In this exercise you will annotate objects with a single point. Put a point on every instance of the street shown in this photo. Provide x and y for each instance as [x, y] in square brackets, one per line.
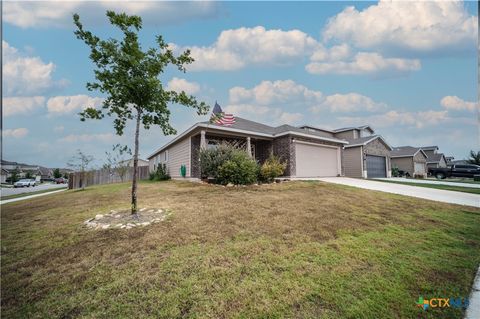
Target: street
[14, 191]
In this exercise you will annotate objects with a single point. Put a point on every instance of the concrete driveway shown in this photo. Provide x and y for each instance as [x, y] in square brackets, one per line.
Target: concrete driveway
[438, 195]
[426, 181]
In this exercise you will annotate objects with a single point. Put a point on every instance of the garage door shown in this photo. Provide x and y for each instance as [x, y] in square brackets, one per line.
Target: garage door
[315, 161]
[376, 166]
[419, 168]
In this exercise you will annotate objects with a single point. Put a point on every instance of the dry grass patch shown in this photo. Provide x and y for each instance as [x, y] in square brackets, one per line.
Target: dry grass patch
[298, 249]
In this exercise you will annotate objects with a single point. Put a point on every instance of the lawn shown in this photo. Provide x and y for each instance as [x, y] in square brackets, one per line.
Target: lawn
[471, 190]
[296, 250]
[30, 193]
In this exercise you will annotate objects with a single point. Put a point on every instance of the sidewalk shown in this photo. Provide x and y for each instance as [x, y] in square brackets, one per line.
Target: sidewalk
[28, 197]
[423, 181]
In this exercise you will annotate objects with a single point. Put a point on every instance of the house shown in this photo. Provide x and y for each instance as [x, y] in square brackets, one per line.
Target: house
[449, 160]
[411, 160]
[129, 162]
[307, 153]
[40, 173]
[5, 173]
[366, 155]
[434, 159]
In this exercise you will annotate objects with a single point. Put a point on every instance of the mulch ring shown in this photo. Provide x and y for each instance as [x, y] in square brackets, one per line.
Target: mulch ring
[126, 220]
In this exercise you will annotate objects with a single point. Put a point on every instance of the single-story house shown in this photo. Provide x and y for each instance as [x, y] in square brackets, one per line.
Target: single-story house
[411, 160]
[434, 159]
[307, 153]
[5, 173]
[366, 155]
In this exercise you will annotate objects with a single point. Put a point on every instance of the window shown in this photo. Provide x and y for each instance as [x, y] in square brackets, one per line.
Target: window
[165, 156]
[212, 144]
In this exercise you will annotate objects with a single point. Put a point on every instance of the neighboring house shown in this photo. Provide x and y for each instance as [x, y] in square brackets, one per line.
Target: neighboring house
[449, 160]
[129, 162]
[306, 153]
[40, 173]
[366, 155]
[4, 175]
[411, 160]
[434, 159]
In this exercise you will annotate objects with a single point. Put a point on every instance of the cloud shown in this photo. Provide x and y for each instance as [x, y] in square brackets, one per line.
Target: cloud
[59, 129]
[415, 26]
[22, 105]
[68, 104]
[76, 138]
[350, 102]
[454, 103]
[24, 75]
[291, 95]
[394, 118]
[33, 14]
[365, 63]
[179, 85]
[236, 48]
[15, 133]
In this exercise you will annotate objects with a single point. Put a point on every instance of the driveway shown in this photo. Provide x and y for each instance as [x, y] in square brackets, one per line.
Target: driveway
[438, 195]
[426, 181]
[14, 191]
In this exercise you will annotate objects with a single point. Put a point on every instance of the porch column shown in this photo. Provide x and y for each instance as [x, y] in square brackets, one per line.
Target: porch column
[249, 147]
[203, 141]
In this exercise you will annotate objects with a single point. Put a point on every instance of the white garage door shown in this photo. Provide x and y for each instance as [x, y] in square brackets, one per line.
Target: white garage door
[315, 161]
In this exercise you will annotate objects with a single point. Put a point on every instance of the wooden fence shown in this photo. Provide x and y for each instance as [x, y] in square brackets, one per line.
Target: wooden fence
[103, 176]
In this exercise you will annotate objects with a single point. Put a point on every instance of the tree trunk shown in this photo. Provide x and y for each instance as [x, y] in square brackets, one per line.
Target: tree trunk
[135, 165]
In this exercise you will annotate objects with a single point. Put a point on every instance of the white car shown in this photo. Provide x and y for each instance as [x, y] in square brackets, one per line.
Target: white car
[24, 183]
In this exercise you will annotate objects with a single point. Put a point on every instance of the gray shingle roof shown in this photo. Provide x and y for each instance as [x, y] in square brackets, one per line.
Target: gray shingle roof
[432, 147]
[404, 151]
[361, 140]
[247, 125]
[435, 158]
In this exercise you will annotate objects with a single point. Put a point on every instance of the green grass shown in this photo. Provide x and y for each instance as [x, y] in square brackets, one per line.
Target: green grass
[290, 250]
[437, 186]
[455, 180]
[30, 193]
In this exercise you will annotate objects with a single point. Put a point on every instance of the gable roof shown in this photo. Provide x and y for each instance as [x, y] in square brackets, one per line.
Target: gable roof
[429, 148]
[305, 126]
[245, 126]
[365, 140]
[343, 129]
[436, 158]
[406, 151]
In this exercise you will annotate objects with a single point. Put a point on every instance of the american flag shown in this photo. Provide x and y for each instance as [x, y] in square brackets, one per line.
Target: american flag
[220, 117]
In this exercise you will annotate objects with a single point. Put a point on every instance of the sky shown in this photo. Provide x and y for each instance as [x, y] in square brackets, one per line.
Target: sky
[408, 69]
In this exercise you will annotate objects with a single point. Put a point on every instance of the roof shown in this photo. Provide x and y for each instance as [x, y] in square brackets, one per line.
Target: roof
[429, 148]
[365, 140]
[305, 126]
[435, 158]
[406, 151]
[343, 129]
[245, 126]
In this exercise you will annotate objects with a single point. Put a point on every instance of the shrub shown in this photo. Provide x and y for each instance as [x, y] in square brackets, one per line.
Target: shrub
[212, 159]
[272, 168]
[395, 172]
[240, 169]
[160, 174]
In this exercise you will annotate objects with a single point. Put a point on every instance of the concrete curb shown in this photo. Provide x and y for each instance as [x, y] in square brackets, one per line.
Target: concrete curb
[473, 310]
[29, 196]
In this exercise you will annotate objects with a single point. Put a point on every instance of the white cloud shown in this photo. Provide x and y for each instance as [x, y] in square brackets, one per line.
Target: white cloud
[365, 63]
[394, 118]
[236, 48]
[68, 104]
[22, 105]
[417, 26]
[15, 133]
[350, 102]
[24, 75]
[59, 129]
[30, 14]
[291, 95]
[179, 85]
[75, 138]
[454, 103]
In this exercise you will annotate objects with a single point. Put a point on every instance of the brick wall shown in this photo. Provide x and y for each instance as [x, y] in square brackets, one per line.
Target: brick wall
[195, 156]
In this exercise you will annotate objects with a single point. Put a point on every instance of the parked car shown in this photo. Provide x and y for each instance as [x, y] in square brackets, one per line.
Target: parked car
[467, 170]
[25, 183]
[61, 180]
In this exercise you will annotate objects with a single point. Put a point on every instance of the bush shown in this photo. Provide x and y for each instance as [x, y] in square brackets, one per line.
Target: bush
[395, 172]
[160, 174]
[240, 169]
[271, 169]
[212, 159]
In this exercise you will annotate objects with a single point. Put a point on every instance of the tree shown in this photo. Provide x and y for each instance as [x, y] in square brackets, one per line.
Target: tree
[80, 163]
[117, 162]
[474, 158]
[65, 175]
[56, 173]
[28, 175]
[129, 77]
[14, 176]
